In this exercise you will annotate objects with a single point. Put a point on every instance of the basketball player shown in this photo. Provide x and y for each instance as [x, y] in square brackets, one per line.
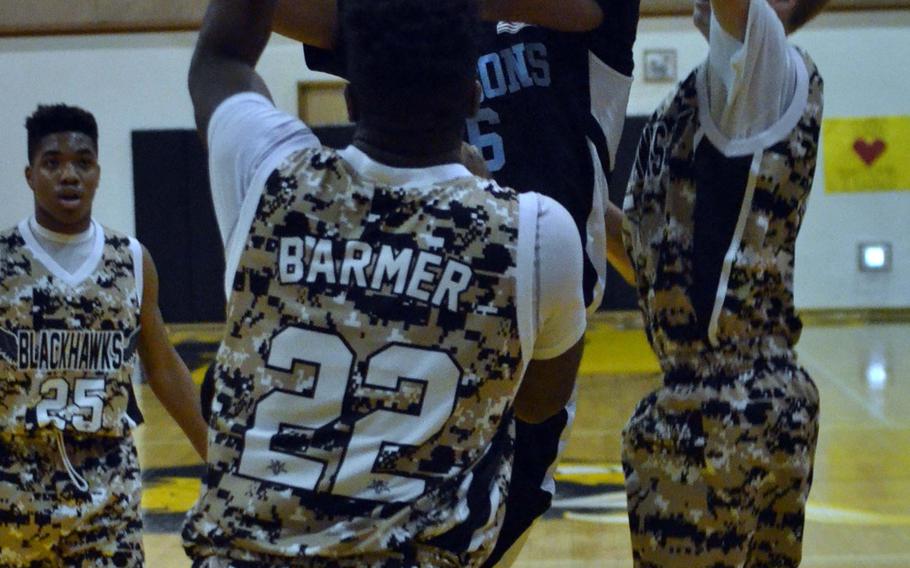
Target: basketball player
[77, 300]
[718, 461]
[383, 305]
[553, 106]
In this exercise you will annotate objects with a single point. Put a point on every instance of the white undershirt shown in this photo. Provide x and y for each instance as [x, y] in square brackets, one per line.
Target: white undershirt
[71, 252]
[751, 83]
[248, 138]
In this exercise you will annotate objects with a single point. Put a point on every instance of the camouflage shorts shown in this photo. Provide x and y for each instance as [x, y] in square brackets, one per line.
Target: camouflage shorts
[718, 471]
[47, 521]
[422, 557]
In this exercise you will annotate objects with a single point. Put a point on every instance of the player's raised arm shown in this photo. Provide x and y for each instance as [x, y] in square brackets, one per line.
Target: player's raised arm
[168, 376]
[233, 36]
[560, 15]
[732, 15]
[316, 23]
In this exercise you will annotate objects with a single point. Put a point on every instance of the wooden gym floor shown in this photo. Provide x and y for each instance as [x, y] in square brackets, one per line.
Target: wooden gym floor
[859, 511]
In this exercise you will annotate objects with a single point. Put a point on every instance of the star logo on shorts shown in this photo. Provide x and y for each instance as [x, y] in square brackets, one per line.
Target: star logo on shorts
[277, 467]
[379, 487]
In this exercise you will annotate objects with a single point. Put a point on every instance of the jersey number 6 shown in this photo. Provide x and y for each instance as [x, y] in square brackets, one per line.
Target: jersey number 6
[282, 411]
[490, 144]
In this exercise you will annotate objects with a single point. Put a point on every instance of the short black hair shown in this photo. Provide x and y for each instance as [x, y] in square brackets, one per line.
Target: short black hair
[51, 119]
[411, 58]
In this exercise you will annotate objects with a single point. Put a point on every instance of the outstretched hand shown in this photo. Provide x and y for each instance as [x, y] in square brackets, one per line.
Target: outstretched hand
[473, 160]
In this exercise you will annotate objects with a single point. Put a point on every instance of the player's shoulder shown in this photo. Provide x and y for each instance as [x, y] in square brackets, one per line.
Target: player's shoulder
[495, 189]
[554, 223]
[804, 58]
[120, 244]
[482, 196]
[114, 237]
[9, 233]
[311, 161]
[10, 240]
[679, 103]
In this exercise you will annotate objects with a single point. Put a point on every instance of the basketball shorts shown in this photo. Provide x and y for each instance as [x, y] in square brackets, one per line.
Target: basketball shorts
[718, 470]
[424, 558]
[48, 520]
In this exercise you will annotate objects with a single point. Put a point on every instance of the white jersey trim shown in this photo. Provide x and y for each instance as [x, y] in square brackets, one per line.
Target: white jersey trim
[732, 147]
[596, 230]
[609, 95]
[401, 177]
[72, 279]
[237, 241]
[527, 287]
[610, 92]
[733, 251]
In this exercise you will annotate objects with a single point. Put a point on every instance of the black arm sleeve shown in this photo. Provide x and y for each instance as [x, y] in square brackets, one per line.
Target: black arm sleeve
[612, 41]
[325, 60]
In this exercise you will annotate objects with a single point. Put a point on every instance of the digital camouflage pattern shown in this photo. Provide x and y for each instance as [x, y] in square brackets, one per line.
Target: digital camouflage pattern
[364, 315]
[659, 209]
[718, 470]
[67, 352]
[718, 461]
[47, 522]
[57, 341]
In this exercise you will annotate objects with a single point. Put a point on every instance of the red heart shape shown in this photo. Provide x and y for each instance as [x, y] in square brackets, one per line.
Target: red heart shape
[869, 153]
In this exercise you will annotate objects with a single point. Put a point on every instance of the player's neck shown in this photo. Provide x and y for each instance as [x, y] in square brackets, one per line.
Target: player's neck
[46, 236]
[48, 223]
[421, 149]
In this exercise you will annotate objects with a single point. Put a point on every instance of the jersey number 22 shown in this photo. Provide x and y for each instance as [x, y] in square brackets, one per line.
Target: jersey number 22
[354, 476]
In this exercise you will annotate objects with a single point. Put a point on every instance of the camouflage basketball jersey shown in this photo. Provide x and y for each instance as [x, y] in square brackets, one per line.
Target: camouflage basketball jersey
[364, 385]
[704, 313]
[67, 341]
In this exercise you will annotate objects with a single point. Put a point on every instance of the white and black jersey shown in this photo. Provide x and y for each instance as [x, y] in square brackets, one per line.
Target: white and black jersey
[379, 322]
[68, 338]
[552, 114]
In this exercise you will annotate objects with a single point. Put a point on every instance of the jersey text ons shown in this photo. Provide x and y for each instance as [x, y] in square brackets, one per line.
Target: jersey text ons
[59, 350]
[514, 68]
[413, 273]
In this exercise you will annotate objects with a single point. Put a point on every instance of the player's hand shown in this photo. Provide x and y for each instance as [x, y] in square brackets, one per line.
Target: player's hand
[702, 16]
[473, 160]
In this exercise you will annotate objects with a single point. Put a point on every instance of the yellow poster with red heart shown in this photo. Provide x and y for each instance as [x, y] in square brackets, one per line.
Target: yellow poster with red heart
[866, 154]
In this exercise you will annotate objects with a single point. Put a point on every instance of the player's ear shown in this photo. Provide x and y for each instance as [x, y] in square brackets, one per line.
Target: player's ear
[28, 177]
[478, 98]
[353, 113]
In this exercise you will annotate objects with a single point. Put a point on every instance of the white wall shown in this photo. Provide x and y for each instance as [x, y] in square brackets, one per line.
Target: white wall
[138, 82]
[129, 82]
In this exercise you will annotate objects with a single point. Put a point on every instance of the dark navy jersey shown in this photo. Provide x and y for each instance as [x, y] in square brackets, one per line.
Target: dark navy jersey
[552, 114]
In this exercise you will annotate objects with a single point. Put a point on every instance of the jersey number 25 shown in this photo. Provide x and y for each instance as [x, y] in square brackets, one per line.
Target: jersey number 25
[88, 396]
